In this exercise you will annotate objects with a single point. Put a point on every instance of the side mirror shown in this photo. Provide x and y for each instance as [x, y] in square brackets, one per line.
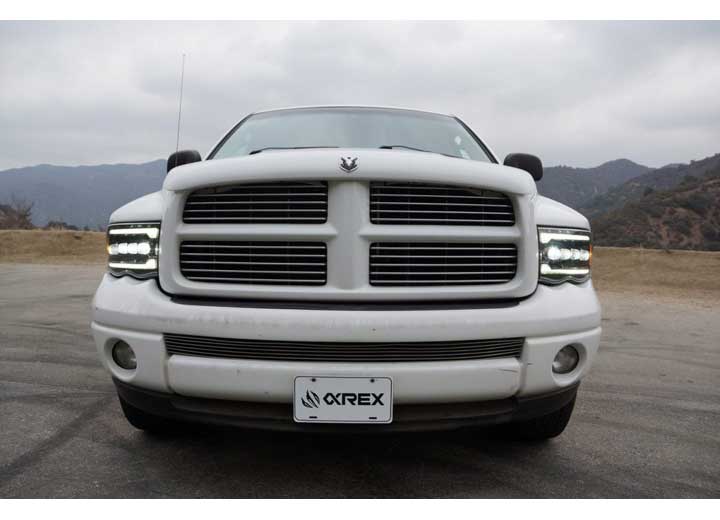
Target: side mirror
[525, 161]
[182, 157]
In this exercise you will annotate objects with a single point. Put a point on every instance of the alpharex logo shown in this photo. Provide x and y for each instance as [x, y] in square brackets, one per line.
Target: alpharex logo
[312, 400]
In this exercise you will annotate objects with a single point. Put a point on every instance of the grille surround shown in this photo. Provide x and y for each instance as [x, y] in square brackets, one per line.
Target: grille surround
[259, 203]
[348, 231]
[410, 264]
[303, 351]
[417, 204]
[254, 263]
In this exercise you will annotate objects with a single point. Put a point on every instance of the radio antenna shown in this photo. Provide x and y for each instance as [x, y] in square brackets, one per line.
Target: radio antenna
[182, 81]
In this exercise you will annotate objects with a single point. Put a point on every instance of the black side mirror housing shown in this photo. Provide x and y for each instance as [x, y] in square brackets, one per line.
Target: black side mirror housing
[182, 157]
[530, 163]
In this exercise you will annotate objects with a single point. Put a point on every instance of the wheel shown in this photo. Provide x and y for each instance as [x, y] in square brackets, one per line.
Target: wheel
[145, 421]
[540, 428]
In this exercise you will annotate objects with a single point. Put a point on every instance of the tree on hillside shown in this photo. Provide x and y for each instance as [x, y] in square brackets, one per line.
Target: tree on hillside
[60, 225]
[17, 214]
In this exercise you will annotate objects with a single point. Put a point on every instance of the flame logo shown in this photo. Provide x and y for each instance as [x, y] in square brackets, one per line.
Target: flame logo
[311, 400]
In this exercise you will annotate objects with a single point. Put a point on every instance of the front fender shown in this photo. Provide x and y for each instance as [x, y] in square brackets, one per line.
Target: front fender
[148, 208]
[552, 213]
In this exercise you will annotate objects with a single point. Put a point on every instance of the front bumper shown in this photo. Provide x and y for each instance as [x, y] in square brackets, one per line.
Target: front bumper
[278, 416]
[139, 313]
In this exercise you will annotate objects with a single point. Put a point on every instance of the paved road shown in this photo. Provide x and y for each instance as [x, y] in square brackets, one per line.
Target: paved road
[647, 422]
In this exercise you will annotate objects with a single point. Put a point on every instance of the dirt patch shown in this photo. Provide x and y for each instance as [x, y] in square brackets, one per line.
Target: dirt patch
[690, 276]
[52, 247]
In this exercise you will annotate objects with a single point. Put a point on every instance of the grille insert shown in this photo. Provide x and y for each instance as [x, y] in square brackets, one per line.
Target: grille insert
[434, 263]
[428, 204]
[271, 263]
[260, 203]
[185, 345]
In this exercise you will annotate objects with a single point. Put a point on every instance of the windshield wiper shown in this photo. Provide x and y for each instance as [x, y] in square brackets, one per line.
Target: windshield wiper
[391, 146]
[288, 148]
[405, 147]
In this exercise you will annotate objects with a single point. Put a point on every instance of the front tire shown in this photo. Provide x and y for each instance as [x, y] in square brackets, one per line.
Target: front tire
[540, 428]
[145, 421]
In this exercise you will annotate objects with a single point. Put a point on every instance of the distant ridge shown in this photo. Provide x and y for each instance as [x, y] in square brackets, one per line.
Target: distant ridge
[650, 214]
[664, 178]
[80, 195]
[576, 186]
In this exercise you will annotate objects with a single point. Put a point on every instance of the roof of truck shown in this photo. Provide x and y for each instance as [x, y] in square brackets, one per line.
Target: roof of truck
[352, 106]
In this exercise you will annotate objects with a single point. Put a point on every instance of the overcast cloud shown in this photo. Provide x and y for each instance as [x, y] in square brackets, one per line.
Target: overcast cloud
[572, 93]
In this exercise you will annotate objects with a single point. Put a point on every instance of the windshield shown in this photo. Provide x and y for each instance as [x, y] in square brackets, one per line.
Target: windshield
[351, 128]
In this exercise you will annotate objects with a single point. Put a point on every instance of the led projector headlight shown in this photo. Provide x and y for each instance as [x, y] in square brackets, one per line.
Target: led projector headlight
[134, 249]
[565, 255]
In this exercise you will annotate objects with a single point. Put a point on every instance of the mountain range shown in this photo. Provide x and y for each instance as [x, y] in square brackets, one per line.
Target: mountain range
[83, 196]
[676, 209]
[661, 179]
[577, 186]
[675, 206]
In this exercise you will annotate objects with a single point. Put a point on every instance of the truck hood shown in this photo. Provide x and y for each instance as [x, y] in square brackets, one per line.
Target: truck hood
[382, 165]
[549, 212]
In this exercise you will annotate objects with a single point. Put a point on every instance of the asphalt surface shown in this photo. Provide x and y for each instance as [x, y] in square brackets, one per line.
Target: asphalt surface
[647, 422]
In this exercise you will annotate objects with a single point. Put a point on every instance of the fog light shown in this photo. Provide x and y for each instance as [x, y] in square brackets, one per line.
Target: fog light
[566, 360]
[124, 356]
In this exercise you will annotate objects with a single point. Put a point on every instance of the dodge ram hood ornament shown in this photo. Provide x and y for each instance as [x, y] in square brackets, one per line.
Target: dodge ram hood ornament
[348, 164]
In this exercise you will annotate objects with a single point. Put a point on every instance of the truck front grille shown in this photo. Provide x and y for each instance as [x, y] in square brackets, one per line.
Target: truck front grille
[268, 263]
[430, 204]
[436, 263]
[264, 203]
[318, 351]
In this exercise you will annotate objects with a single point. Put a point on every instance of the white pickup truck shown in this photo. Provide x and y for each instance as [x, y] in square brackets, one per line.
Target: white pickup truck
[348, 268]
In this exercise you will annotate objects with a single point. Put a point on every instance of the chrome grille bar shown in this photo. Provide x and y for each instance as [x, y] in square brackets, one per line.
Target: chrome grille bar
[204, 346]
[276, 203]
[270, 263]
[427, 204]
[441, 264]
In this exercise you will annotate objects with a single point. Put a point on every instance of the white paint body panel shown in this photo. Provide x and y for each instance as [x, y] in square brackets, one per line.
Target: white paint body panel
[148, 208]
[549, 212]
[138, 312]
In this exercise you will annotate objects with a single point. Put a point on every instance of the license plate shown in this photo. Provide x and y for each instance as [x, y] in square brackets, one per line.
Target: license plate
[343, 399]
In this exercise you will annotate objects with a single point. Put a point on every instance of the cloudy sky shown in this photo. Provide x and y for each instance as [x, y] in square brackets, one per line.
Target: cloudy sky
[573, 93]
